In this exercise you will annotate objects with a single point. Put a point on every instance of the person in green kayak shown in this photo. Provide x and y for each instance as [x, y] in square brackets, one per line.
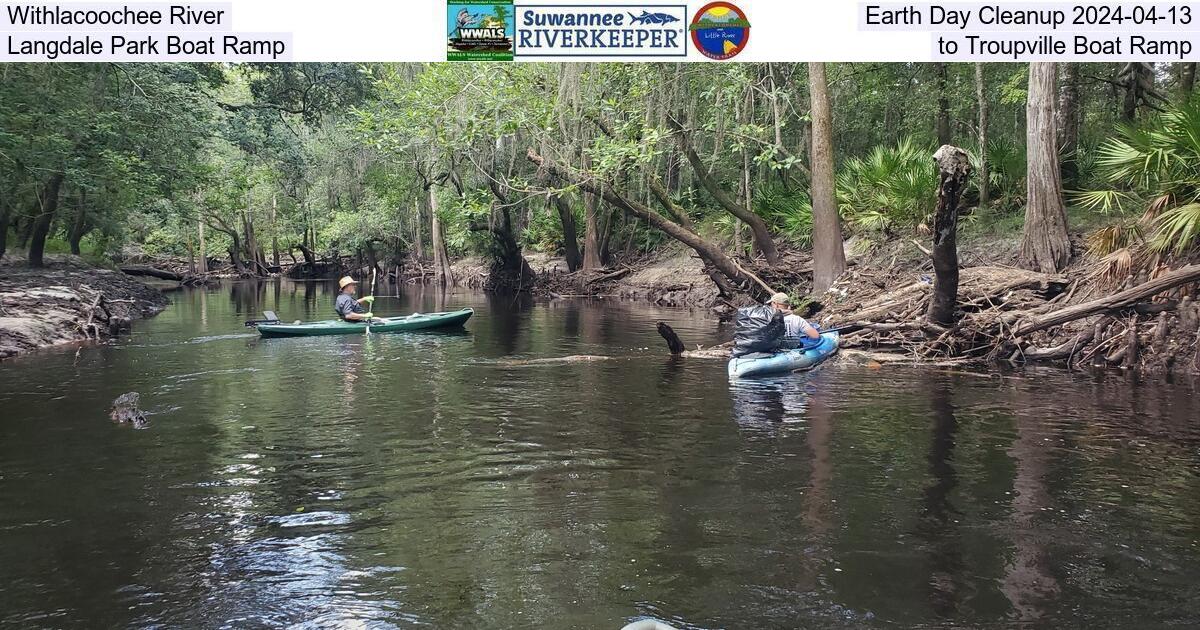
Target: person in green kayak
[797, 331]
[348, 308]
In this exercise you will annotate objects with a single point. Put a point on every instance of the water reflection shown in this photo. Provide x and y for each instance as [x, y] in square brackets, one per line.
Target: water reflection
[939, 523]
[1028, 583]
[452, 480]
[762, 402]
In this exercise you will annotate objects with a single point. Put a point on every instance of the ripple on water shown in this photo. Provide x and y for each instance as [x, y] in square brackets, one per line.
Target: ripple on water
[411, 480]
[311, 519]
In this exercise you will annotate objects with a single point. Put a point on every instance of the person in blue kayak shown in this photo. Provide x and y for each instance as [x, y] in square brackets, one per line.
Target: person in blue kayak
[348, 308]
[797, 332]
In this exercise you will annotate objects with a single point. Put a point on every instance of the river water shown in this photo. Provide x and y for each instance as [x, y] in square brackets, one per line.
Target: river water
[461, 481]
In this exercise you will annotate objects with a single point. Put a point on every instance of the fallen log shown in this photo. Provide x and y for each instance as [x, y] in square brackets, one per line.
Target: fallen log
[1065, 350]
[620, 273]
[1129, 298]
[153, 272]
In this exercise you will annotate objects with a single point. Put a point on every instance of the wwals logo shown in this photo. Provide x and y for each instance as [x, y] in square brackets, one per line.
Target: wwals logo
[479, 30]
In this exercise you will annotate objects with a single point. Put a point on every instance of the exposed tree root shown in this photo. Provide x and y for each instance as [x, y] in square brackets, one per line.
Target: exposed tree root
[1014, 316]
[1006, 315]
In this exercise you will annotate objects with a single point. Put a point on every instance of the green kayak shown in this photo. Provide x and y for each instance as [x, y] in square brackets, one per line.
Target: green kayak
[416, 321]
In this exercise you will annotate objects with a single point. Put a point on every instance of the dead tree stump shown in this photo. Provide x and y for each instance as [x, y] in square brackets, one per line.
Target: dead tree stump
[1131, 348]
[954, 168]
[674, 344]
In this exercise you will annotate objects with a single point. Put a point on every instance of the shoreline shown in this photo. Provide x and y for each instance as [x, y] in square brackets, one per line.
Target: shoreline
[1006, 317]
[884, 291]
[68, 301]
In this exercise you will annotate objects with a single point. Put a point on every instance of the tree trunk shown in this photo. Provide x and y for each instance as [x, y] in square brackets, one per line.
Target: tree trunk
[829, 257]
[762, 235]
[248, 240]
[24, 228]
[954, 167]
[1187, 81]
[776, 107]
[203, 249]
[372, 257]
[418, 224]
[235, 253]
[1045, 245]
[79, 227]
[943, 103]
[191, 250]
[608, 218]
[41, 224]
[274, 231]
[253, 251]
[677, 214]
[510, 264]
[4, 222]
[591, 233]
[1068, 124]
[570, 237]
[710, 253]
[984, 177]
[442, 276]
[310, 258]
[1138, 79]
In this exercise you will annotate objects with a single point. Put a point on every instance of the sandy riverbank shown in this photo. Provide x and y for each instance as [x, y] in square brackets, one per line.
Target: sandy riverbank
[67, 301]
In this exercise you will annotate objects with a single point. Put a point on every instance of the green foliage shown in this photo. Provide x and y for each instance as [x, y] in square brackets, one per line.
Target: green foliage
[788, 212]
[544, 233]
[1006, 173]
[893, 187]
[1177, 229]
[1014, 89]
[1155, 166]
[341, 157]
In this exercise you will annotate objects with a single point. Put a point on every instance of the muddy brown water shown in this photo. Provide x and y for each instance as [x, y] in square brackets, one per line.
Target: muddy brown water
[453, 481]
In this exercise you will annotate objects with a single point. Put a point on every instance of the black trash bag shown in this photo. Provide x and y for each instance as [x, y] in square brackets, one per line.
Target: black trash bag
[758, 329]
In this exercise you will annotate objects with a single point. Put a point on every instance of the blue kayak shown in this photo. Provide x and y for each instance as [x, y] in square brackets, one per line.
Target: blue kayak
[785, 361]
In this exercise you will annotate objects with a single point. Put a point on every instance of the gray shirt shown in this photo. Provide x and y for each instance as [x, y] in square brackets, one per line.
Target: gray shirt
[796, 326]
[346, 304]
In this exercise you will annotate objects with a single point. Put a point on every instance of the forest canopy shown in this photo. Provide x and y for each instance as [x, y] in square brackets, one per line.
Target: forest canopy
[260, 166]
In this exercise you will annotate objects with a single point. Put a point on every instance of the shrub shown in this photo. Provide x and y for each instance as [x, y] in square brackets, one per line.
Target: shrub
[892, 187]
[788, 212]
[1154, 166]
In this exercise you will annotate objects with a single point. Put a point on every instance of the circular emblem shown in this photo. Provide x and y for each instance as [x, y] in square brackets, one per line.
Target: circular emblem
[720, 30]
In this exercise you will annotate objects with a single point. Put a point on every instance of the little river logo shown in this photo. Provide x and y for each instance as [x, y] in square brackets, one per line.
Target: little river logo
[479, 30]
[623, 30]
[720, 30]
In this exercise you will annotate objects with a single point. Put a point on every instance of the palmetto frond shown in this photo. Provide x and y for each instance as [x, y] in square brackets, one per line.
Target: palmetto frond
[1177, 229]
[1160, 160]
[1103, 201]
[892, 185]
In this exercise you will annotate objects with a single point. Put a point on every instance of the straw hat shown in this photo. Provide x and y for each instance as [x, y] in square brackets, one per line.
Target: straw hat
[346, 280]
[781, 298]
